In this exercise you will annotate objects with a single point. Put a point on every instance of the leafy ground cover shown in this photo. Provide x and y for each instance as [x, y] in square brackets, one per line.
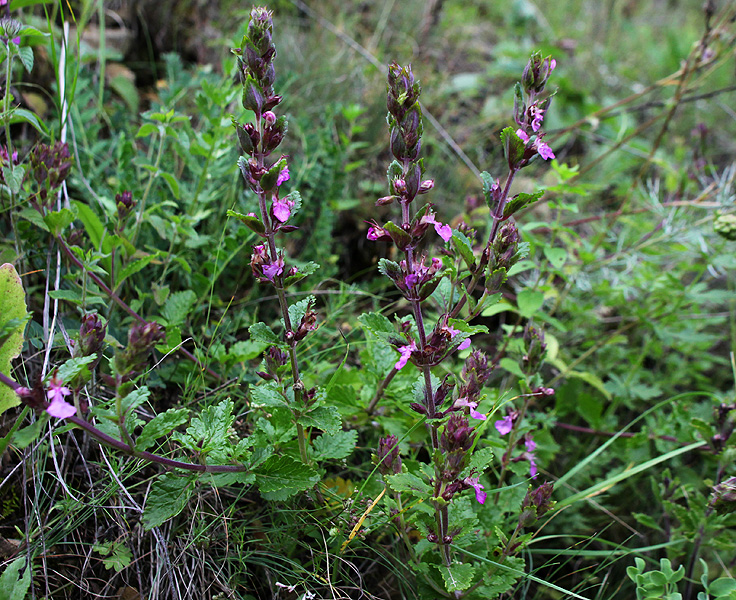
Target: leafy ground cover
[261, 339]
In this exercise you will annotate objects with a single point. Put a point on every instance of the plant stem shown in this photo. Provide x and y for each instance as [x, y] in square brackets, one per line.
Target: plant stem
[129, 448]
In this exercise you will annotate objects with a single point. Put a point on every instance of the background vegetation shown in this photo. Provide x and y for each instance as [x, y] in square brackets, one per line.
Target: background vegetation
[630, 270]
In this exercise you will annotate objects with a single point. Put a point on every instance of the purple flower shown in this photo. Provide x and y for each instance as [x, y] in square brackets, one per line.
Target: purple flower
[480, 495]
[59, 407]
[464, 344]
[282, 208]
[545, 151]
[444, 231]
[16, 40]
[411, 280]
[523, 135]
[531, 445]
[472, 406]
[283, 176]
[270, 119]
[505, 425]
[270, 271]
[537, 118]
[405, 352]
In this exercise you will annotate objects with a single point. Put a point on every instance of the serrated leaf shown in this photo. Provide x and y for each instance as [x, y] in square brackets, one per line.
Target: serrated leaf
[260, 332]
[74, 366]
[13, 175]
[481, 460]
[161, 425]
[335, 446]
[463, 247]
[299, 309]
[304, 271]
[252, 222]
[529, 302]
[266, 395]
[401, 238]
[520, 201]
[25, 53]
[168, 497]
[513, 146]
[378, 325]
[457, 577]
[12, 306]
[209, 431]
[282, 476]
[58, 220]
[389, 268]
[13, 587]
[326, 418]
[178, 306]
[407, 482]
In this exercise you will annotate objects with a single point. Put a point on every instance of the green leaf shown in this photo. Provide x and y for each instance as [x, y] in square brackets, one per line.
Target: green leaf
[58, 220]
[74, 366]
[326, 418]
[25, 53]
[723, 587]
[299, 309]
[253, 223]
[513, 146]
[13, 175]
[260, 332]
[13, 587]
[135, 266]
[463, 247]
[304, 271]
[520, 201]
[401, 238]
[555, 256]
[335, 446]
[481, 459]
[457, 577]
[267, 394]
[12, 308]
[147, 129]
[282, 476]
[377, 324]
[117, 555]
[178, 306]
[92, 224]
[168, 497]
[407, 482]
[209, 431]
[22, 115]
[173, 184]
[529, 302]
[161, 425]
[510, 365]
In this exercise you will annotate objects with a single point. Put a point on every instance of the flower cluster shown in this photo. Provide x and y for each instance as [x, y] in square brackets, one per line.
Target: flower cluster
[529, 109]
[50, 166]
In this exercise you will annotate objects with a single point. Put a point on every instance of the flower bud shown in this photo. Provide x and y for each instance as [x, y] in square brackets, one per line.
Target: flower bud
[389, 458]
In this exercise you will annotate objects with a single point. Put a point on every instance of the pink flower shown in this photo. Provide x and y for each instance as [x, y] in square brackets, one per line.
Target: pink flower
[411, 280]
[405, 352]
[505, 425]
[270, 118]
[523, 135]
[283, 176]
[552, 65]
[59, 407]
[270, 271]
[444, 231]
[282, 208]
[545, 151]
[537, 118]
[530, 444]
[464, 344]
[480, 495]
[472, 406]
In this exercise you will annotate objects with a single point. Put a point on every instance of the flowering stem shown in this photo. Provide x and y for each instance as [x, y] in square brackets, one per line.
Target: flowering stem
[497, 219]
